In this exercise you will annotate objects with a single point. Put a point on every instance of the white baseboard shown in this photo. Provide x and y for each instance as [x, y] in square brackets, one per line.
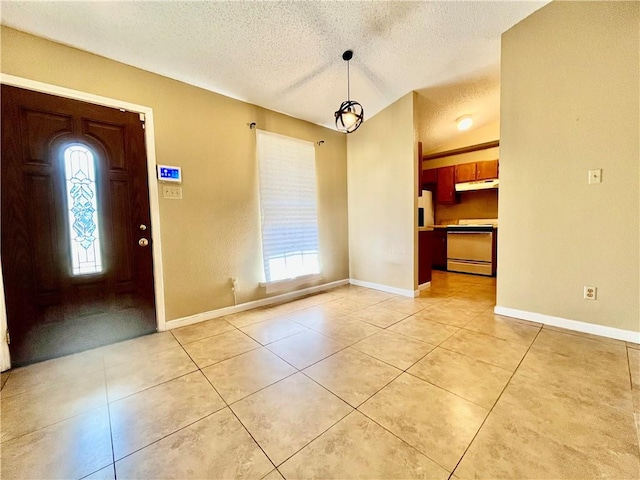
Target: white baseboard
[423, 286]
[584, 327]
[221, 312]
[385, 288]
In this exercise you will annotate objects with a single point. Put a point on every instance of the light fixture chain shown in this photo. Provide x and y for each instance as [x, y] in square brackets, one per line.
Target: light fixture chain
[348, 82]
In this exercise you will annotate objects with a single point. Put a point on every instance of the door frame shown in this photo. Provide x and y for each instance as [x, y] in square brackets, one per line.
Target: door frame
[154, 199]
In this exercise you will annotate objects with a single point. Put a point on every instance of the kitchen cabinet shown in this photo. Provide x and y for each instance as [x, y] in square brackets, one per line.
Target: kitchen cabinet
[430, 176]
[438, 247]
[424, 257]
[465, 172]
[487, 170]
[446, 191]
[470, 172]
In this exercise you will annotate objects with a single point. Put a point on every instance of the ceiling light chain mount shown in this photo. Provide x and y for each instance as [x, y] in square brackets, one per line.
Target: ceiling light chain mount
[350, 114]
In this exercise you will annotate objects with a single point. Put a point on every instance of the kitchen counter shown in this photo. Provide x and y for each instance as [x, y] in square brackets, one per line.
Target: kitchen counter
[428, 228]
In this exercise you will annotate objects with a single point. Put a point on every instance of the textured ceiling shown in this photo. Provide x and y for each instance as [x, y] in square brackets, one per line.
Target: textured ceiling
[286, 56]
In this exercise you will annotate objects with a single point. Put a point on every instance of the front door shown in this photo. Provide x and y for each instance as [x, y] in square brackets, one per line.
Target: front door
[76, 232]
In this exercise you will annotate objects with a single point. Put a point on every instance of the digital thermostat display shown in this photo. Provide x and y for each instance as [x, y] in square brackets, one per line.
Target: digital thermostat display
[167, 173]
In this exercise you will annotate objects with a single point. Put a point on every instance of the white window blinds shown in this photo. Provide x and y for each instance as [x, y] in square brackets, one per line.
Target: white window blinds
[288, 206]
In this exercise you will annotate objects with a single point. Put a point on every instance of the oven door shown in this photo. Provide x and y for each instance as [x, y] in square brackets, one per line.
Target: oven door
[470, 246]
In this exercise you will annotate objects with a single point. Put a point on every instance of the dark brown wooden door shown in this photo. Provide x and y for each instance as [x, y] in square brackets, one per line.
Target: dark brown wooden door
[75, 204]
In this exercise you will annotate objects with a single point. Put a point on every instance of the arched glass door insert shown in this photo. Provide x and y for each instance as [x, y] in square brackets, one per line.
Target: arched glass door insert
[82, 205]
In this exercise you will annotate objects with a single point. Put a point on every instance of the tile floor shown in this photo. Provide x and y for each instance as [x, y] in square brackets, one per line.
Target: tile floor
[350, 383]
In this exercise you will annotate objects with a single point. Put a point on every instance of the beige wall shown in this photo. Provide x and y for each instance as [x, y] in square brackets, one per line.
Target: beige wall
[382, 168]
[214, 232]
[570, 103]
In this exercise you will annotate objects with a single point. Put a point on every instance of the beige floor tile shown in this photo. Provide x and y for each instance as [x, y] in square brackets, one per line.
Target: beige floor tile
[635, 346]
[346, 330]
[242, 319]
[273, 475]
[345, 306]
[53, 371]
[356, 447]
[596, 380]
[311, 316]
[425, 330]
[394, 349]
[245, 374]
[449, 313]
[605, 437]
[305, 348]
[472, 379]
[41, 407]
[351, 375]
[405, 305]
[507, 449]
[147, 416]
[4, 376]
[378, 316]
[489, 349]
[128, 378]
[272, 330]
[439, 424]
[286, 416]
[106, 473]
[599, 338]
[72, 448]
[214, 447]
[214, 349]
[504, 328]
[129, 350]
[634, 367]
[579, 345]
[198, 331]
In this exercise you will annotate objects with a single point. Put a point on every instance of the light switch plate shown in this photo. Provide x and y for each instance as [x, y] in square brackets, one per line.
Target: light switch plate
[172, 191]
[595, 176]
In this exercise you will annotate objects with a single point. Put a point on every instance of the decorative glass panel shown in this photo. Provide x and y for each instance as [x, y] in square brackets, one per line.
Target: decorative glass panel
[82, 202]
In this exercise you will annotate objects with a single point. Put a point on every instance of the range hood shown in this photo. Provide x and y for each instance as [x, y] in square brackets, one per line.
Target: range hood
[479, 185]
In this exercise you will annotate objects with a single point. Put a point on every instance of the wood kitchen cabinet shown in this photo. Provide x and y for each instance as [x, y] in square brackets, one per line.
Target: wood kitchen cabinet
[424, 257]
[465, 172]
[470, 172]
[487, 170]
[446, 191]
[430, 176]
[438, 247]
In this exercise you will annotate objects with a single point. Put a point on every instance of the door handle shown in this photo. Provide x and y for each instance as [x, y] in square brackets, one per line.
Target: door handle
[143, 242]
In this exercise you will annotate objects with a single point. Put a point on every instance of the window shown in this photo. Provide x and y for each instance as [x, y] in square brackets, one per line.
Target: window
[82, 205]
[288, 206]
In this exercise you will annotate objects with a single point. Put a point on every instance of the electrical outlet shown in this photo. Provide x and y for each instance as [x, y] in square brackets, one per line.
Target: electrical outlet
[590, 293]
[595, 176]
[172, 191]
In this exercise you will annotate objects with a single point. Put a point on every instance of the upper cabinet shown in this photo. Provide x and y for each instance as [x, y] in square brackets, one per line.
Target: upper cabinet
[465, 172]
[470, 172]
[443, 180]
[487, 170]
[446, 190]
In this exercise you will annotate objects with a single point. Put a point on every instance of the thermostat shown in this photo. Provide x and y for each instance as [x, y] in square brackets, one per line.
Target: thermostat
[167, 173]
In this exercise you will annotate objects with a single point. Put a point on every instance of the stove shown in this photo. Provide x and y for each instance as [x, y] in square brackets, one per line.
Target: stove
[471, 246]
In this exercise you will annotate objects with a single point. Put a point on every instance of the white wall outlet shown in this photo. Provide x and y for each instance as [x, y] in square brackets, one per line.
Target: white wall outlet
[172, 191]
[590, 293]
[595, 176]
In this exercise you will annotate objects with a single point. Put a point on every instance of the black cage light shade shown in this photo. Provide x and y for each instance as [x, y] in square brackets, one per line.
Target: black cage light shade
[350, 114]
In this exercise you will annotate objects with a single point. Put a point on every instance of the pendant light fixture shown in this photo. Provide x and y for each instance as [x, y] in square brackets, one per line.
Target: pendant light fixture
[350, 114]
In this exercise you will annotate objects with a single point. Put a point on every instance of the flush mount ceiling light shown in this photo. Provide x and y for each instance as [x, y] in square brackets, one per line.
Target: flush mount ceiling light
[350, 114]
[464, 122]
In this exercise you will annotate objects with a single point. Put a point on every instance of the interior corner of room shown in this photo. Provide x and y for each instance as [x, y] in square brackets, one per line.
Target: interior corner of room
[542, 128]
